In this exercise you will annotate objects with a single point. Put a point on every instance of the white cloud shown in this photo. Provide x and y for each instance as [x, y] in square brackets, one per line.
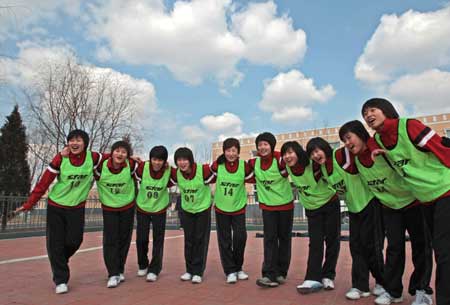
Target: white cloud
[193, 133]
[226, 122]
[427, 92]
[193, 39]
[290, 96]
[410, 43]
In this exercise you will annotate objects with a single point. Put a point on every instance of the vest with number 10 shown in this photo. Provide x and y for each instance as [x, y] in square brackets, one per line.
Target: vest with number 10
[230, 195]
[74, 182]
[116, 190]
[426, 176]
[273, 189]
[153, 194]
[195, 195]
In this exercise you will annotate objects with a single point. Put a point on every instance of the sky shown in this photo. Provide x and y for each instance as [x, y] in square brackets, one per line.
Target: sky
[209, 69]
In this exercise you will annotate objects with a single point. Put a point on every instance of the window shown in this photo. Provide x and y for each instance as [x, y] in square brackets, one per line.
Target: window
[334, 144]
[447, 132]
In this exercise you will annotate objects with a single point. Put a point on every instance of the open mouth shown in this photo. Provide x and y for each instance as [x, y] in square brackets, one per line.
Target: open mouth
[371, 121]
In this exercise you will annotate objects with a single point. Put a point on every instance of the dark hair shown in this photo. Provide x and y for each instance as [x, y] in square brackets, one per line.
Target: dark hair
[321, 144]
[303, 159]
[79, 133]
[159, 152]
[228, 143]
[184, 153]
[268, 137]
[122, 144]
[384, 105]
[357, 128]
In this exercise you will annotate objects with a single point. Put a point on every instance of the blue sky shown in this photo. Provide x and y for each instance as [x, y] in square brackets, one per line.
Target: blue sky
[209, 69]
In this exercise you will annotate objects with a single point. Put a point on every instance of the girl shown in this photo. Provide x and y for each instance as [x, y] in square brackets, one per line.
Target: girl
[322, 208]
[152, 202]
[400, 212]
[366, 236]
[230, 199]
[422, 158]
[116, 190]
[66, 201]
[276, 202]
[193, 183]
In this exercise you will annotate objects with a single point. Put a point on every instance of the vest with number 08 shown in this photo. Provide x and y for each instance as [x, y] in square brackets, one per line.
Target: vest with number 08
[230, 195]
[74, 182]
[153, 195]
[116, 190]
[195, 195]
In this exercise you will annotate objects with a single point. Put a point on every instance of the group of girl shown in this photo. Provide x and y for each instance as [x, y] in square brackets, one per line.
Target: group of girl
[397, 180]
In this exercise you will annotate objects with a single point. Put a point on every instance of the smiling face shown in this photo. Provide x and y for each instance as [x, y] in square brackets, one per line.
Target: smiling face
[76, 145]
[374, 117]
[184, 165]
[318, 156]
[354, 143]
[264, 148]
[157, 164]
[231, 154]
[290, 157]
[119, 155]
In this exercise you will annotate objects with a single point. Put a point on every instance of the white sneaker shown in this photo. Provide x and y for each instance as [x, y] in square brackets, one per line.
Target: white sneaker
[309, 286]
[186, 277]
[142, 272]
[113, 281]
[356, 294]
[378, 290]
[196, 279]
[387, 299]
[241, 275]
[422, 298]
[121, 277]
[232, 278]
[328, 284]
[151, 277]
[61, 288]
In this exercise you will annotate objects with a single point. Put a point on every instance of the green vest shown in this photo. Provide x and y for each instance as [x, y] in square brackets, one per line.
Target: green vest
[153, 194]
[115, 190]
[357, 194]
[313, 194]
[385, 183]
[230, 195]
[195, 195]
[426, 176]
[273, 189]
[74, 182]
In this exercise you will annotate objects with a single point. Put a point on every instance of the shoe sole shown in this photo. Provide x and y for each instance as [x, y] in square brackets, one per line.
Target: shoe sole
[307, 290]
[233, 282]
[328, 288]
[266, 285]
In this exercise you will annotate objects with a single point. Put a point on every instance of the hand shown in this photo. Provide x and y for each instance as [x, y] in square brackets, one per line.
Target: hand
[65, 151]
[377, 152]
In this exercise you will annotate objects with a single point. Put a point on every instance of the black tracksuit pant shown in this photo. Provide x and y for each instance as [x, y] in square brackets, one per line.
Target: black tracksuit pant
[232, 237]
[366, 245]
[65, 229]
[396, 222]
[324, 225]
[277, 243]
[197, 228]
[158, 222]
[117, 232]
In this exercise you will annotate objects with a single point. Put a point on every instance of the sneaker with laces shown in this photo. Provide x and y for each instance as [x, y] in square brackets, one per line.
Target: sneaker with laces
[281, 279]
[378, 290]
[122, 277]
[309, 286]
[241, 275]
[387, 299]
[328, 284]
[422, 298]
[196, 279]
[61, 288]
[142, 272]
[186, 276]
[356, 294]
[266, 282]
[232, 278]
[151, 277]
[113, 281]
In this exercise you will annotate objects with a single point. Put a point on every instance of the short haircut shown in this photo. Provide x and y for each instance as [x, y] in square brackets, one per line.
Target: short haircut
[303, 159]
[184, 153]
[79, 133]
[228, 143]
[383, 104]
[122, 144]
[357, 128]
[159, 152]
[321, 144]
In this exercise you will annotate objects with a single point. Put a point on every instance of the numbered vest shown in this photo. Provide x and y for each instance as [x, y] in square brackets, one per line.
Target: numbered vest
[230, 195]
[426, 176]
[153, 195]
[312, 194]
[273, 189]
[116, 190]
[195, 195]
[74, 182]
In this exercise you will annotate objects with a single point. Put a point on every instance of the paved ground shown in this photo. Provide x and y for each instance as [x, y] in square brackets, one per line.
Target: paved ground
[26, 277]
